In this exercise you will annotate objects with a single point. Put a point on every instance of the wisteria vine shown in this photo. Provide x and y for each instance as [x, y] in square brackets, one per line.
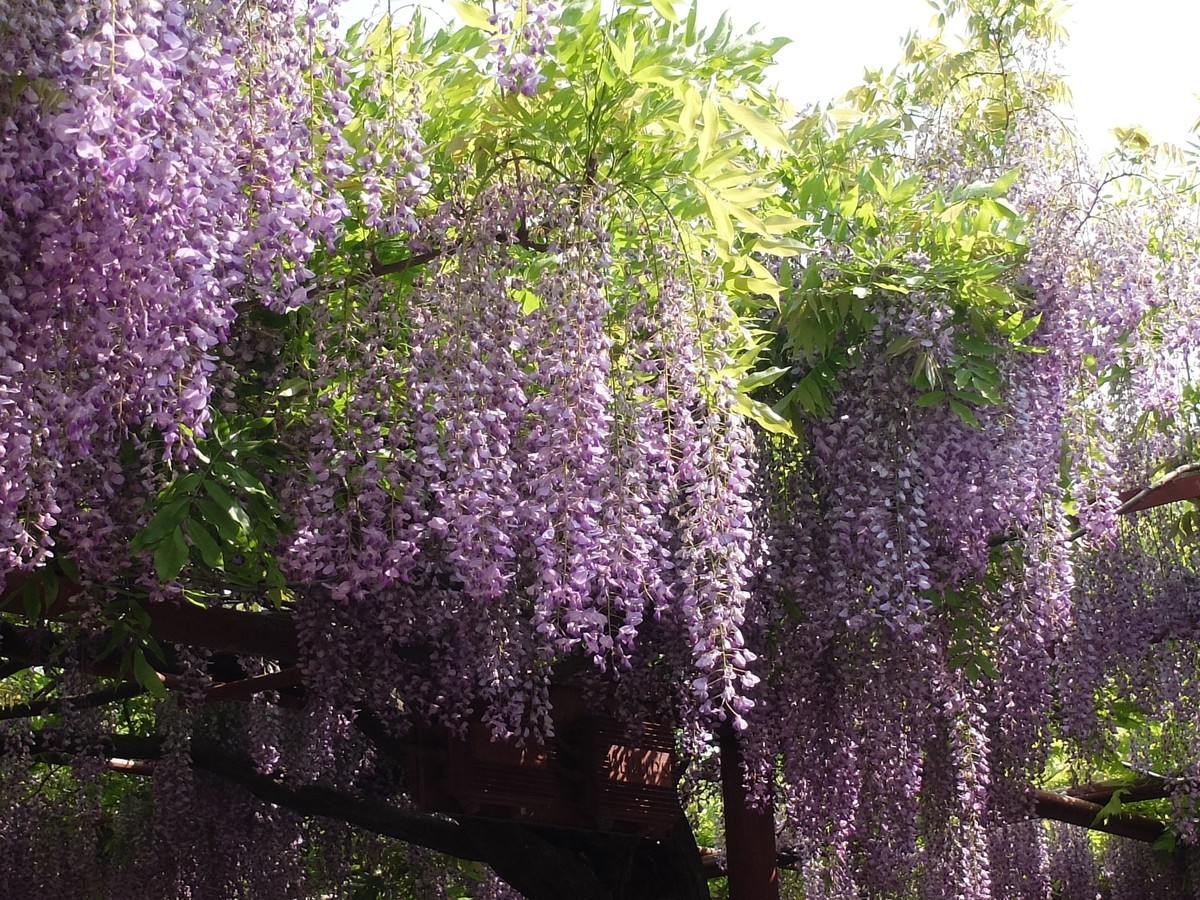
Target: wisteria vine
[473, 429]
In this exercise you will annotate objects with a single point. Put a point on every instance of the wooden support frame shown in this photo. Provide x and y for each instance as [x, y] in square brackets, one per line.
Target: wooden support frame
[751, 855]
[264, 633]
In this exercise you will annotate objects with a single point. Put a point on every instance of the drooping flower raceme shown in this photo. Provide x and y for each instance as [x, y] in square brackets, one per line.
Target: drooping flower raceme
[155, 172]
[523, 32]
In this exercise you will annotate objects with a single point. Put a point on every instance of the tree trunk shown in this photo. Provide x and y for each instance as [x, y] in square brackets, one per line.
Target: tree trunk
[552, 864]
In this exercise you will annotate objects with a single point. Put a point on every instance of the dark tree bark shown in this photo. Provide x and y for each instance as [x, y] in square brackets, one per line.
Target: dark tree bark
[541, 863]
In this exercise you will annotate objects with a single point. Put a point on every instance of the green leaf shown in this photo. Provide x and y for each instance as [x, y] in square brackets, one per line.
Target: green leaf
[164, 521]
[1165, 842]
[656, 75]
[848, 203]
[764, 415]
[747, 196]
[293, 387]
[808, 395]
[930, 398]
[31, 599]
[170, 556]
[473, 16]
[1134, 138]
[711, 116]
[692, 104]
[965, 413]
[756, 380]
[204, 541]
[666, 9]
[70, 568]
[1112, 807]
[217, 517]
[752, 224]
[146, 675]
[1001, 185]
[622, 55]
[997, 294]
[530, 302]
[231, 507]
[979, 348]
[760, 128]
[719, 213]
[49, 588]
[241, 478]
[779, 224]
[1026, 328]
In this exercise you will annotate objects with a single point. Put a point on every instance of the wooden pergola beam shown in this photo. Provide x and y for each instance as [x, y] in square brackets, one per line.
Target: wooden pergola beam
[265, 633]
[753, 861]
[256, 684]
[751, 858]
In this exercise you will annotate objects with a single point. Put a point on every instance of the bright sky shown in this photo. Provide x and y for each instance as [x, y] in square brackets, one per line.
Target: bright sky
[1134, 61]
[1127, 61]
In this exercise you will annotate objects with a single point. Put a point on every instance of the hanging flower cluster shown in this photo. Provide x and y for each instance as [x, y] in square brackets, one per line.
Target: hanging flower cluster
[1137, 620]
[518, 448]
[523, 32]
[917, 574]
[160, 163]
[497, 483]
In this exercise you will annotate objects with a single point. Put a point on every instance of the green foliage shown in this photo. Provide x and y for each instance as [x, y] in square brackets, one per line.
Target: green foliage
[870, 226]
[670, 120]
[897, 234]
[219, 521]
[1113, 807]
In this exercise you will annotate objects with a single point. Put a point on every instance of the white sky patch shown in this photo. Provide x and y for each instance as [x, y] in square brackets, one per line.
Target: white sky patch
[1134, 63]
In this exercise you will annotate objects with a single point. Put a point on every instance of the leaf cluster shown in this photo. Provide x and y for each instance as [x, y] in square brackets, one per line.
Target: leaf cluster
[218, 522]
[888, 236]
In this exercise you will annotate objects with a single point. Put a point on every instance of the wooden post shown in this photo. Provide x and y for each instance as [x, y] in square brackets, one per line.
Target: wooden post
[749, 832]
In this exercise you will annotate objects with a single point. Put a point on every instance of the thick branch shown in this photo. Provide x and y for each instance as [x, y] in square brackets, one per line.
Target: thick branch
[20, 644]
[1074, 811]
[1149, 788]
[245, 688]
[1179, 484]
[527, 861]
[1176, 485]
[109, 694]
[98, 655]
[522, 858]
[443, 835]
[379, 269]
[1182, 483]
[436, 833]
